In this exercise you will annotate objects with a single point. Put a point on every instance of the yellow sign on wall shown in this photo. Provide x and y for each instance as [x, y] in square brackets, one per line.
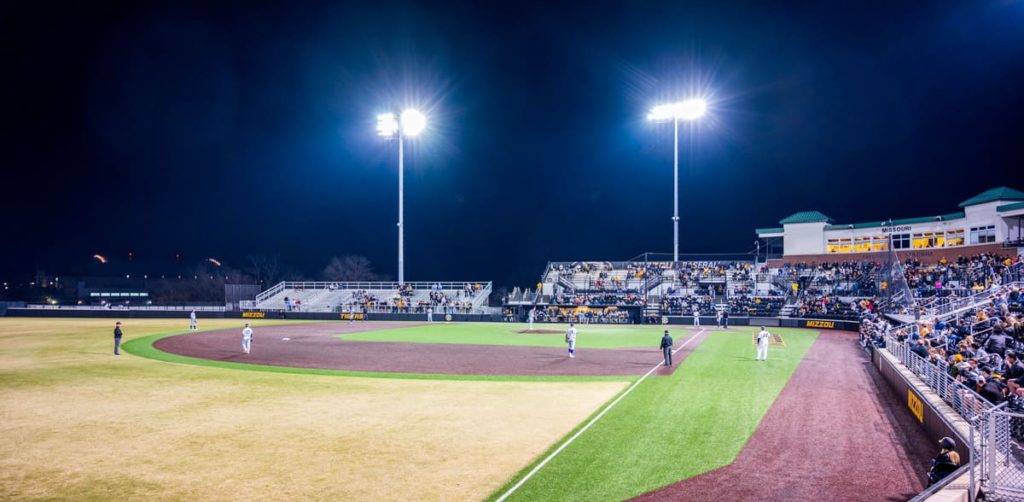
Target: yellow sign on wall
[821, 324]
[357, 317]
[254, 315]
[915, 405]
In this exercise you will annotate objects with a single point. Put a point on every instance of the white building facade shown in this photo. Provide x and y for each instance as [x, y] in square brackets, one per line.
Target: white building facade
[988, 221]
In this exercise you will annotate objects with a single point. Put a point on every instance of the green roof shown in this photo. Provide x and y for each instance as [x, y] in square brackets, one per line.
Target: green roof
[777, 230]
[905, 221]
[994, 194]
[806, 217]
[1011, 207]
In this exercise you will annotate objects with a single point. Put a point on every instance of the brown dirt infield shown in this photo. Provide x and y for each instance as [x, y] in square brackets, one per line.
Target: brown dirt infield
[836, 432]
[317, 346]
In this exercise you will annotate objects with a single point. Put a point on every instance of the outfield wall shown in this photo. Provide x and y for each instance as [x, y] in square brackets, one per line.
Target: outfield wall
[773, 322]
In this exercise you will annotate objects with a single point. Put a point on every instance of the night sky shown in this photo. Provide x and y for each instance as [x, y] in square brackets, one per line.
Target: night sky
[233, 129]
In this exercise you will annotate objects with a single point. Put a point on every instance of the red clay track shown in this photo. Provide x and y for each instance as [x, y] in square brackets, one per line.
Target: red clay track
[316, 346]
[836, 432]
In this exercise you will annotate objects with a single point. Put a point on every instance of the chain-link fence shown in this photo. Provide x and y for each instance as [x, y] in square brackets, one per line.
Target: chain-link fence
[996, 439]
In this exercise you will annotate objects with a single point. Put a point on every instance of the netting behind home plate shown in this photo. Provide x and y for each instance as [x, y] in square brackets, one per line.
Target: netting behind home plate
[892, 285]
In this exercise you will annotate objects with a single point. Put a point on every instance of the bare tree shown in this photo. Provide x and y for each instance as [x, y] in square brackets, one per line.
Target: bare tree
[266, 269]
[350, 268]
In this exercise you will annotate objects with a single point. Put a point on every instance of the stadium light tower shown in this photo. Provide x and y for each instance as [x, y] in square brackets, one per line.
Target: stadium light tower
[409, 124]
[689, 110]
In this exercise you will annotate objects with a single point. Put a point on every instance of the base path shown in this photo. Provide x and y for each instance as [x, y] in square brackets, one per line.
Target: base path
[836, 432]
[317, 346]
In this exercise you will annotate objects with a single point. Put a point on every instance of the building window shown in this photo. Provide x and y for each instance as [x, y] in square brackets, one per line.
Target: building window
[901, 241]
[839, 246]
[955, 238]
[880, 243]
[983, 235]
[928, 240]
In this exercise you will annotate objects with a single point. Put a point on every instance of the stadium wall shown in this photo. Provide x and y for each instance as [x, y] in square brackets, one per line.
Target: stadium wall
[933, 414]
[773, 322]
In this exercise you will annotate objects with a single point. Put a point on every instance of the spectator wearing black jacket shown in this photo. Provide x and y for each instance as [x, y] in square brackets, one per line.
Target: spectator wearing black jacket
[920, 348]
[997, 343]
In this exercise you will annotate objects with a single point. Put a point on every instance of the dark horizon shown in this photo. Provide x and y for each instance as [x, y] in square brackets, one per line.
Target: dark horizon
[231, 130]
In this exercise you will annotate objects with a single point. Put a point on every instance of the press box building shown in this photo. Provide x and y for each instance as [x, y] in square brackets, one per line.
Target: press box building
[990, 222]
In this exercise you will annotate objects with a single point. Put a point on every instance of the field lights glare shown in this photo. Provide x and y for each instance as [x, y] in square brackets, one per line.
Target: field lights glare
[691, 109]
[411, 123]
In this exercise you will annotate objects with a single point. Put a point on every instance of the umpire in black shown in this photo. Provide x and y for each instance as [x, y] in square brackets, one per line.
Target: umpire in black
[666, 348]
[117, 337]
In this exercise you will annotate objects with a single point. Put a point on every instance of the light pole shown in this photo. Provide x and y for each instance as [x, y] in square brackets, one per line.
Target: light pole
[409, 124]
[689, 110]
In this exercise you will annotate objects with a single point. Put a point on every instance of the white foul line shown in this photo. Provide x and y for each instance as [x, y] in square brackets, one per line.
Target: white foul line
[591, 422]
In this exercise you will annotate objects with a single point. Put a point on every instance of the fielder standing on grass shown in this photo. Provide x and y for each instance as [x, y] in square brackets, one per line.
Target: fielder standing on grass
[762, 344]
[666, 348]
[570, 338]
[531, 316]
[246, 338]
[192, 325]
[117, 337]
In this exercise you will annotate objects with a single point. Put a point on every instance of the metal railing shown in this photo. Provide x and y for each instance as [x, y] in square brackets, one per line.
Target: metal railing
[995, 441]
[154, 308]
[968, 403]
[367, 285]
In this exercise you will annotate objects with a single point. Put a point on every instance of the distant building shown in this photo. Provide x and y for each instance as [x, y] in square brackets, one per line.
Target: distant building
[990, 222]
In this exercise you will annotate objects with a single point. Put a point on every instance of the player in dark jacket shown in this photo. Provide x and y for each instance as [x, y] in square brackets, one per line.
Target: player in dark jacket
[945, 462]
[666, 348]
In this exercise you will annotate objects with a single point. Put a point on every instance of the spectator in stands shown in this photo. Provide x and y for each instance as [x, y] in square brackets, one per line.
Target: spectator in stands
[945, 463]
[920, 349]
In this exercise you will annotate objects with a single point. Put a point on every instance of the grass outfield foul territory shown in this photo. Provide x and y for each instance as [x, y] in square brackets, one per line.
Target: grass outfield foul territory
[79, 423]
[591, 336]
[672, 428]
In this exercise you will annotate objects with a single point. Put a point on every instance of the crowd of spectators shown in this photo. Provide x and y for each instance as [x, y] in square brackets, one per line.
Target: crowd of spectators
[981, 348]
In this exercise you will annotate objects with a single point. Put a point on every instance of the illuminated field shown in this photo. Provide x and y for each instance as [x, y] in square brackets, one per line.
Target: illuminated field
[79, 423]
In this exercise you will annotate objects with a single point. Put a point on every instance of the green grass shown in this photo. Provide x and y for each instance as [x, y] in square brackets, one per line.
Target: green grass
[143, 347]
[591, 336]
[669, 429]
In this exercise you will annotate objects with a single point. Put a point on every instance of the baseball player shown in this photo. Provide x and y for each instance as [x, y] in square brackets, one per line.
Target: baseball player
[666, 348]
[430, 314]
[762, 344]
[192, 325]
[570, 338]
[696, 315]
[246, 338]
[531, 316]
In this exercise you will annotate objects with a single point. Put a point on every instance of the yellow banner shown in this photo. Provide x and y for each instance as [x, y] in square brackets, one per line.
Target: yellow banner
[357, 317]
[254, 315]
[915, 405]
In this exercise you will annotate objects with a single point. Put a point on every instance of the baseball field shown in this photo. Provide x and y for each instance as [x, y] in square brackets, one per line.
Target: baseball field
[390, 411]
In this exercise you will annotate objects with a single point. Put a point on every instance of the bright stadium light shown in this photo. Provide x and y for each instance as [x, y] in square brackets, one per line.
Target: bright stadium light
[688, 110]
[691, 109]
[387, 125]
[411, 123]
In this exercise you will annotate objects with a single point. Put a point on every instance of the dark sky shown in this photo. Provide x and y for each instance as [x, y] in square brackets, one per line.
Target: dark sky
[227, 129]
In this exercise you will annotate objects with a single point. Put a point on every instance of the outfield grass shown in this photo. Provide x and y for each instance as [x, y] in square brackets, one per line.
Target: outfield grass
[669, 429]
[591, 336]
[80, 423]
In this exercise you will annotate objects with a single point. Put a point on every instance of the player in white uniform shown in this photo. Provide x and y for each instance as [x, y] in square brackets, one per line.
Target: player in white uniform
[430, 314]
[192, 326]
[531, 316]
[246, 338]
[762, 344]
[696, 315]
[570, 338]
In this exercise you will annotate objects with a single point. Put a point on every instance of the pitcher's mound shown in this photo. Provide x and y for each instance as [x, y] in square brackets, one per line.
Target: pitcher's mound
[540, 332]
